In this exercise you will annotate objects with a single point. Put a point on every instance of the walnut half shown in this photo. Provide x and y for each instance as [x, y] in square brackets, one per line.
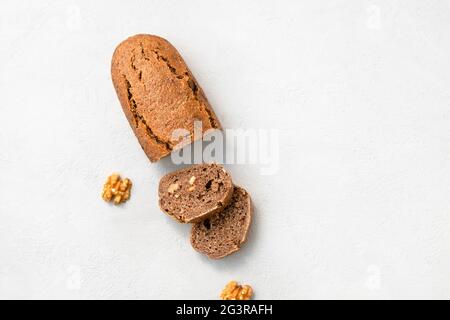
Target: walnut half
[116, 189]
[234, 291]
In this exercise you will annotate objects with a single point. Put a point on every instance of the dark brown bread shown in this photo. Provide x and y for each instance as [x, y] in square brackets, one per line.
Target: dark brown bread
[195, 193]
[158, 93]
[225, 232]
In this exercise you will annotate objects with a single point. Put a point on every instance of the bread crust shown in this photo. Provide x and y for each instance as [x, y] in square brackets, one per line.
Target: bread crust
[158, 93]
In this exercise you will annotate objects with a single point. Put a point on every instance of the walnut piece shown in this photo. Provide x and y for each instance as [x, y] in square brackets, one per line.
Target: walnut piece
[115, 189]
[234, 291]
[173, 187]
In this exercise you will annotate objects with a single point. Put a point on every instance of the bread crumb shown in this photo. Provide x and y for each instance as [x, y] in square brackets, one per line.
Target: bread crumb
[234, 291]
[117, 190]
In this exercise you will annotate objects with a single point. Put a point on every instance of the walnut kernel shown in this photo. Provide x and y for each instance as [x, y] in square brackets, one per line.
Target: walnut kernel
[116, 189]
[234, 291]
[173, 187]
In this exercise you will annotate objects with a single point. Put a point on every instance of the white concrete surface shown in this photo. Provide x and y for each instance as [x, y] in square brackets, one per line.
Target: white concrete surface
[359, 91]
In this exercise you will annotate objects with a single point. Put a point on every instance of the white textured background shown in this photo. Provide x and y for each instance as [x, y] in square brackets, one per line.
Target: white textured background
[358, 89]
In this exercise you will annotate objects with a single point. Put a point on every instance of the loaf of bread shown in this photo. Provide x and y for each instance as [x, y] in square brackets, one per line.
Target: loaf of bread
[225, 232]
[195, 193]
[158, 93]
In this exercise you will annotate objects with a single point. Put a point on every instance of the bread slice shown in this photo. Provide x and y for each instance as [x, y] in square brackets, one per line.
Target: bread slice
[225, 232]
[195, 193]
[158, 94]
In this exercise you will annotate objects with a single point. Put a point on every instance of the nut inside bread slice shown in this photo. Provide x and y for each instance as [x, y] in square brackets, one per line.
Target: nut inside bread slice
[225, 232]
[195, 193]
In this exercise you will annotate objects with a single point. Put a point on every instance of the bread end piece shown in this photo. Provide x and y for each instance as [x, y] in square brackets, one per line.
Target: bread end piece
[158, 94]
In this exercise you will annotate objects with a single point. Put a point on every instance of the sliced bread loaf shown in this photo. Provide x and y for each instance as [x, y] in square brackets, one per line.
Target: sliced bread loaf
[158, 94]
[225, 232]
[195, 193]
